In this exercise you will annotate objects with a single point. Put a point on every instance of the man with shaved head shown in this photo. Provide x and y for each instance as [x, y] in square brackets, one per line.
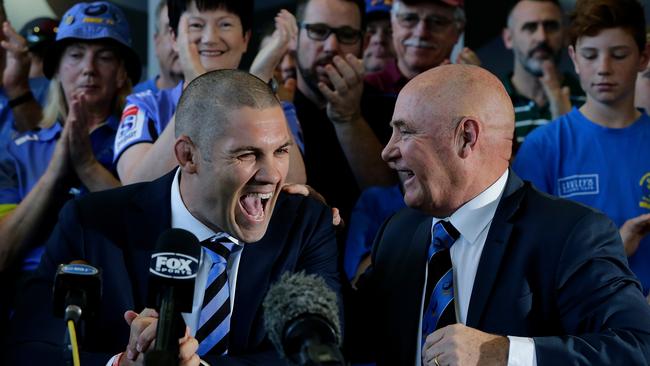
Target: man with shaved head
[482, 268]
[232, 147]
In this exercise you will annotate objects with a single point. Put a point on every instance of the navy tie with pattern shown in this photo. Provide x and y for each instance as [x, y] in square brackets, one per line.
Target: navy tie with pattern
[214, 321]
[439, 308]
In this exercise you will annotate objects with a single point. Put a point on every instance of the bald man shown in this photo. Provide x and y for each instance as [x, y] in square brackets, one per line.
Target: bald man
[482, 268]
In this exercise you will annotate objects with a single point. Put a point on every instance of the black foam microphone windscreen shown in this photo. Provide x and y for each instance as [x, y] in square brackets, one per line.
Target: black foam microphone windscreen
[301, 316]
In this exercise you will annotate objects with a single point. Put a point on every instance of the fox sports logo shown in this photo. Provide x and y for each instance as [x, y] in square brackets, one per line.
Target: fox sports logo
[174, 265]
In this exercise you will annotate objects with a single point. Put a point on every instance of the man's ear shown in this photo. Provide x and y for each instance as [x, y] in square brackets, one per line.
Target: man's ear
[506, 35]
[572, 55]
[467, 134]
[187, 154]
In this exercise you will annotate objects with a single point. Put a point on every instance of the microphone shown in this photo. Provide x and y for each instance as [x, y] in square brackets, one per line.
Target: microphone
[77, 291]
[77, 295]
[172, 272]
[301, 316]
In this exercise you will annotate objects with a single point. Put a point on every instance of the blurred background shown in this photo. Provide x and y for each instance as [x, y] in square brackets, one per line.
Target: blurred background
[485, 20]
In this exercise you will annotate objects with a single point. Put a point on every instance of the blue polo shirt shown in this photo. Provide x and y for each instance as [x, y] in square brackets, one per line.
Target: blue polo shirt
[28, 156]
[39, 88]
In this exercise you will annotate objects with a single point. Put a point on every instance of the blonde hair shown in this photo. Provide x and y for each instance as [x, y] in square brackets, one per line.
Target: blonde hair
[56, 107]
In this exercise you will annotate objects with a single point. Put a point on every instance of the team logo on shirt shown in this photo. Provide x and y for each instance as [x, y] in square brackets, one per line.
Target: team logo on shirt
[131, 126]
[578, 185]
[645, 191]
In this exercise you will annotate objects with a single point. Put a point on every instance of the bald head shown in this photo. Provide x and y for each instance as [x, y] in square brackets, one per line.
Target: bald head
[452, 137]
[465, 91]
[205, 105]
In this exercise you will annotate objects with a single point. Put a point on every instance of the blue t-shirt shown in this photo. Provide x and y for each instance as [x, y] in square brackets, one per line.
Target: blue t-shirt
[149, 84]
[147, 114]
[39, 88]
[28, 156]
[374, 206]
[605, 168]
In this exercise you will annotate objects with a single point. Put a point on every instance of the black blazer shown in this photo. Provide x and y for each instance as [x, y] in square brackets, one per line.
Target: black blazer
[551, 269]
[117, 230]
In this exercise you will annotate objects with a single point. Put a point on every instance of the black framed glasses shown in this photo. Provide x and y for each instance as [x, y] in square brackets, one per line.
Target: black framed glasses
[320, 32]
[433, 22]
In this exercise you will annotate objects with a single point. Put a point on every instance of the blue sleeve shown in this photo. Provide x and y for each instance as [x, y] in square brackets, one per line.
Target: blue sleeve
[136, 126]
[363, 227]
[8, 182]
[533, 163]
[294, 125]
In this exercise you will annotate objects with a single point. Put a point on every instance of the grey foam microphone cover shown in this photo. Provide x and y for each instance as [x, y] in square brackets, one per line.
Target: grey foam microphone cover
[294, 295]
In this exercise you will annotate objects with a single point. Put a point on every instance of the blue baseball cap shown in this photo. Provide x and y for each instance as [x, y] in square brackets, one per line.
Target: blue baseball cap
[99, 20]
[378, 6]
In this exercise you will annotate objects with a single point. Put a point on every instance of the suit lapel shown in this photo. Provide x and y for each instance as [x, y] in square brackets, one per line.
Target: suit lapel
[409, 277]
[494, 249]
[148, 216]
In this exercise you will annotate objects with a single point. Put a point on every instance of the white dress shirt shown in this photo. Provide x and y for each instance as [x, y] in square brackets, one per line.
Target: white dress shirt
[473, 221]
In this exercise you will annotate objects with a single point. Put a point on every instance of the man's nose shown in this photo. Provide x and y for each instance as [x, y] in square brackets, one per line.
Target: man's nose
[390, 151]
[331, 43]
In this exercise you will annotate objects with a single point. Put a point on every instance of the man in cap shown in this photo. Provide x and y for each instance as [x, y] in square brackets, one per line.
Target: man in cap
[378, 42]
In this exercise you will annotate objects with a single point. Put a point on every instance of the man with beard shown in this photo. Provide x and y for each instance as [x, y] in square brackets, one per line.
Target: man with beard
[342, 148]
[424, 34]
[539, 92]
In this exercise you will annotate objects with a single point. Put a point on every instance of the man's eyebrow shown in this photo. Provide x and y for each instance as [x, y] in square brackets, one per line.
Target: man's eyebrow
[244, 148]
[397, 123]
[286, 144]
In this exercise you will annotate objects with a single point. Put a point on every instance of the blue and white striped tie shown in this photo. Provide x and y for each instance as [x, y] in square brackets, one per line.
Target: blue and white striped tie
[439, 308]
[214, 321]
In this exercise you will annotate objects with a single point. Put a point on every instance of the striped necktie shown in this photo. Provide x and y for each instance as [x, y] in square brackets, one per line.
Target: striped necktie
[214, 320]
[439, 308]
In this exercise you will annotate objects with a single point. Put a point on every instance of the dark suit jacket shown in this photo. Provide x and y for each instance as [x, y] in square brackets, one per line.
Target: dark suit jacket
[117, 231]
[551, 269]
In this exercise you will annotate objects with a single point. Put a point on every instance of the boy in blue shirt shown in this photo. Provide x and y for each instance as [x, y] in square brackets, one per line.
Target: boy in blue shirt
[598, 154]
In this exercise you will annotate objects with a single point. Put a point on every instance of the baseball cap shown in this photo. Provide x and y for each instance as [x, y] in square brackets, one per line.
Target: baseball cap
[378, 6]
[39, 32]
[99, 20]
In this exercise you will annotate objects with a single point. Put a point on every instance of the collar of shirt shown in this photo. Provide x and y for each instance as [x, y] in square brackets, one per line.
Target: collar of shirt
[474, 216]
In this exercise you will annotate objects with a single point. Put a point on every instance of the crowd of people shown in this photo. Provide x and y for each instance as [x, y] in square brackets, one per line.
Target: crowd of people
[461, 218]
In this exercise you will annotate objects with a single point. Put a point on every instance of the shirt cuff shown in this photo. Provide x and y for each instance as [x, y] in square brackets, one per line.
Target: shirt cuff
[521, 352]
[115, 360]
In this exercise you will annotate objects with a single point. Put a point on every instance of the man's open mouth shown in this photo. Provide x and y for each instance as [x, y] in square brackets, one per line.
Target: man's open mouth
[254, 205]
